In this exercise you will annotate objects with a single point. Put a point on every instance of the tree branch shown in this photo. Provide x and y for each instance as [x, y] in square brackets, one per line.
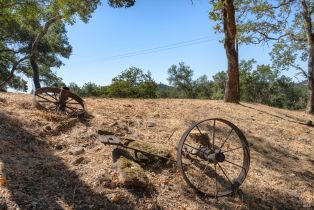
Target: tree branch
[43, 32]
[299, 69]
[33, 50]
[272, 38]
[9, 50]
[13, 69]
[282, 4]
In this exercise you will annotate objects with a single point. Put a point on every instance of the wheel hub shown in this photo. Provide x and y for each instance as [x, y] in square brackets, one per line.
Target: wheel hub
[220, 157]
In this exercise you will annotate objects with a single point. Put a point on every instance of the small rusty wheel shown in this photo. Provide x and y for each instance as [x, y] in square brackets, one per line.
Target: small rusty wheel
[213, 157]
[58, 100]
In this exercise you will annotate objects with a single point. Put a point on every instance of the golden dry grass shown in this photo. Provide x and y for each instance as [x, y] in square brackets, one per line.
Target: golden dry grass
[40, 172]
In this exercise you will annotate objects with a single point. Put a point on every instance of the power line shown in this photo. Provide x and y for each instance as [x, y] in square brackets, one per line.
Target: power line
[160, 49]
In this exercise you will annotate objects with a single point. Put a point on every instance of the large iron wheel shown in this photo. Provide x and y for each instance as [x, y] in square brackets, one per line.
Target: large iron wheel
[213, 157]
[58, 100]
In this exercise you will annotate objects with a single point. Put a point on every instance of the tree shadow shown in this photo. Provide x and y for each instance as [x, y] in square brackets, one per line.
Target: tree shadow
[249, 200]
[37, 179]
[279, 160]
[283, 162]
[274, 159]
[288, 117]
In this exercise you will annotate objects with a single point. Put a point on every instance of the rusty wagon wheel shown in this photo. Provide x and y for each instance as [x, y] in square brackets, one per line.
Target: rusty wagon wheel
[213, 157]
[59, 100]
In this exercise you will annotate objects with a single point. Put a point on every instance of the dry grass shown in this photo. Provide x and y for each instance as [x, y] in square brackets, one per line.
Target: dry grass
[36, 162]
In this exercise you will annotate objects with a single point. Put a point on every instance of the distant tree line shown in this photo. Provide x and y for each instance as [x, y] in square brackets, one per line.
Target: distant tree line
[258, 84]
[34, 42]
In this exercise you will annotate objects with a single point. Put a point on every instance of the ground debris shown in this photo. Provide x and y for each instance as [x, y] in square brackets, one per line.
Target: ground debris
[42, 173]
[130, 173]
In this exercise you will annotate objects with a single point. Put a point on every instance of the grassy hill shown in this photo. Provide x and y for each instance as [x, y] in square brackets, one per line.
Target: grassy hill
[39, 168]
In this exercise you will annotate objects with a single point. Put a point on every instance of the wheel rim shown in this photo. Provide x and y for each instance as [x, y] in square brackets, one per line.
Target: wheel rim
[213, 157]
[50, 99]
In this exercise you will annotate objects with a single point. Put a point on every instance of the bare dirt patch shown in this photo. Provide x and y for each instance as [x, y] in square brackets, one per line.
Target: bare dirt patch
[39, 169]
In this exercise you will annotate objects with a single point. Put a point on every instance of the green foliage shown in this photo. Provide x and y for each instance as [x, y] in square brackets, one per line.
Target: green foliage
[258, 84]
[75, 88]
[262, 85]
[88, 89]
[147, 89]
[133, 83]
[121, 3]
[219, 84]
[165, 91]
[133, 75]
[121, 89]
[22, 22]
[91, 89]
[203, 87]
[279, 22]
[17, 83]
[181, 77]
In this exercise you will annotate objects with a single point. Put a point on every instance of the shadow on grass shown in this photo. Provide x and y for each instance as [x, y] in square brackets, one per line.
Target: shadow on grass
[274, 159]
[285, 163]
[288, 117]
[36, 178]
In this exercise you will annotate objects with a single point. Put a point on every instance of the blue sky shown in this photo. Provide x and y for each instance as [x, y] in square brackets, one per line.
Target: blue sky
[152, 35]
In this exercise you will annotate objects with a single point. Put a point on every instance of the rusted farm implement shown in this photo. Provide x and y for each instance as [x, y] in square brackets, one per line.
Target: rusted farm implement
[213, 155]
[60, 100]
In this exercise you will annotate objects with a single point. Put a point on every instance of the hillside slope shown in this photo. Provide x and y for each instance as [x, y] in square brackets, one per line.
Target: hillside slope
[38, 169]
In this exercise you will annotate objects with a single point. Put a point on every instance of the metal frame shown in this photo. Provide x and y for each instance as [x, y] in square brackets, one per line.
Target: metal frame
[199, 160]
[60, 100]
[203, 156]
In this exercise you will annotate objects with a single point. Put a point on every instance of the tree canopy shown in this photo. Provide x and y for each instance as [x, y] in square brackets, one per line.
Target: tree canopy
[33, 37]
[181, 77]
[288, 25]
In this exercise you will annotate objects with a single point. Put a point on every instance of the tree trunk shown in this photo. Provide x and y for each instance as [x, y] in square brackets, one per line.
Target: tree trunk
[310, 77]
[307, 15]
[13, 69]
[35, 68]
[33, 57]
[232, 86]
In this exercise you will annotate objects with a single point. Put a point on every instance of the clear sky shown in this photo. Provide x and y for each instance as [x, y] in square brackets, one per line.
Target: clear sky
[152, 35]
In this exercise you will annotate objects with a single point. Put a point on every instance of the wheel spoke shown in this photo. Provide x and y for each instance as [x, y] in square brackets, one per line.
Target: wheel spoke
[205, 168]
[196, 160]
[197, 171]
[232, 149]
[237, 165]
[46, 99]
[216, 187]
[190, 146]
[199, 130]
[226, 138]
[54, 107]
[46, 102]
[55, 98]
[72, 103]
[73, 109]
[224, 173]
[71, 99]
[191, 165]
[214, 134]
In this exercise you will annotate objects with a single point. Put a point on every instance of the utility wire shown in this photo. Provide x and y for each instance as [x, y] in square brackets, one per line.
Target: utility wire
[160, 49]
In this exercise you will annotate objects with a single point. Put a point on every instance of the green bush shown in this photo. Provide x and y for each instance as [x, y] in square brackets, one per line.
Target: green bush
[121, 89]
[133, 83]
